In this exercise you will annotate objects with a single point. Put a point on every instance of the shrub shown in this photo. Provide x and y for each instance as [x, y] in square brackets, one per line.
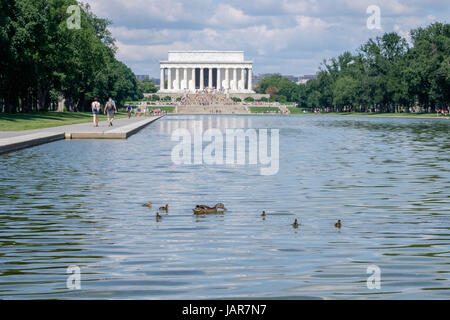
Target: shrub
[278, 98]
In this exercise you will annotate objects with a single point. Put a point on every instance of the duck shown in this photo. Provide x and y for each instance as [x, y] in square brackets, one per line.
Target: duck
[149, 204]
[295, 224]
[338, 224]
[165, 208]
[263, 214]
[203, 209]
[158, 216]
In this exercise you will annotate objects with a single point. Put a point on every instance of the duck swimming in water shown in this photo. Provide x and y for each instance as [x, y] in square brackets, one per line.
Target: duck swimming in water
[149, 204]
[203, 209]
[295, 224]
[263, 214]
[158, 216]
[165, 208]
[338, 224]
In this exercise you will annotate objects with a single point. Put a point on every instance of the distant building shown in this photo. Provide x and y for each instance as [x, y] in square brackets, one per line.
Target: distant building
[202, 69]
[292, 78]
[304, 79]
[297, 79]
[155, 81]
[141, 77]
[259, 77]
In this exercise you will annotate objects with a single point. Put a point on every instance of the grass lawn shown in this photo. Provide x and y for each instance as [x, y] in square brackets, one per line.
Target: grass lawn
[295, 110]
[263, 109]
[39, 120]
[133, 102]
[168, 109]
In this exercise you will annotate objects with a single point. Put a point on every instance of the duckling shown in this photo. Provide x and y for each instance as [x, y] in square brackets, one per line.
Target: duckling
[165, 208]
[158, 216]
[263, 214]
[295, 224]
[203, 209]
[149, 204]
[338, 224]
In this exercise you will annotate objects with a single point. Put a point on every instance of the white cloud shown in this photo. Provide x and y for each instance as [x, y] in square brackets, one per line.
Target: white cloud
[300, 7]
[228, 16]
[139, 53]
[287, 36]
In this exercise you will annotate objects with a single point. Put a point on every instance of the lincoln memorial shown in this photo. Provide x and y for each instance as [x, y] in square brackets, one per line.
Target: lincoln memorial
[191, 71]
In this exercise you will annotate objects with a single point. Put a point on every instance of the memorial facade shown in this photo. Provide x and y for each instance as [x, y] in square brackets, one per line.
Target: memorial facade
[193, 71]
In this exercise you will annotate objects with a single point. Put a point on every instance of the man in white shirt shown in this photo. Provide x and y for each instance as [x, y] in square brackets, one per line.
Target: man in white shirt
[95, 106]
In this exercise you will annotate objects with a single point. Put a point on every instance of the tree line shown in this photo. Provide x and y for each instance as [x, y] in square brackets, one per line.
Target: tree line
[386, 74]
[43, 60]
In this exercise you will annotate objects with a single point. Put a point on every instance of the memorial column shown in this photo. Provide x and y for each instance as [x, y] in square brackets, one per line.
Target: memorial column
[169, 78]
[161, 79]
[227, 78]
[186, 85]
[219, 85]
[201, 78]
[210, 78]
[193, 79]
[177, 79]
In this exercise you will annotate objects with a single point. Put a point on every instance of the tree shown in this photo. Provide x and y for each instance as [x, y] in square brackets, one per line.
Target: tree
[344, 92]
[430, 65]
[386, 75]
[147, 86]
[277, 84]
[42, 59]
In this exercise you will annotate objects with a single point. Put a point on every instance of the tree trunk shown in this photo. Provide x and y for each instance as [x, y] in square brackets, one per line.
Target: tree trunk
[26, 102]
[42, 99]
[11, 102]
[61, 104]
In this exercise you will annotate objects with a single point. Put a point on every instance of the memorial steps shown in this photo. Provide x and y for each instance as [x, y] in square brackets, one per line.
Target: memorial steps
[212, 109]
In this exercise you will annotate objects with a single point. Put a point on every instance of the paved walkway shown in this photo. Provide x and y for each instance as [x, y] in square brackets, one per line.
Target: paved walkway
[81, 127]
[121, 129]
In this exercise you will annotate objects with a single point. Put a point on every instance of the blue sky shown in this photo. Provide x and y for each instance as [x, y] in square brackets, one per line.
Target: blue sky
[284, 36]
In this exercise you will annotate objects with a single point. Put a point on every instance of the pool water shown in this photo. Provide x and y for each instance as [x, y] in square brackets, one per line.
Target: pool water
[79, 203]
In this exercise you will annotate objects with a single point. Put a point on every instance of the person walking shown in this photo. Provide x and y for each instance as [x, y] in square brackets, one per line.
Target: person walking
[95, 106]
[110, 108]
[129, 109]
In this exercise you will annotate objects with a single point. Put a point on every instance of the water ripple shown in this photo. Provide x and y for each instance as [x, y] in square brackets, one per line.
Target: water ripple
[79, 203]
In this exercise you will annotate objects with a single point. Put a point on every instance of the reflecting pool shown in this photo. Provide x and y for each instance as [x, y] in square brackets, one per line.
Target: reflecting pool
[79, 202]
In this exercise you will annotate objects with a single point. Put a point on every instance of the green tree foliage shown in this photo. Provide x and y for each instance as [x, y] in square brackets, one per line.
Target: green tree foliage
[41, 59]
[147, 86]
[278, 87]
[386, 74]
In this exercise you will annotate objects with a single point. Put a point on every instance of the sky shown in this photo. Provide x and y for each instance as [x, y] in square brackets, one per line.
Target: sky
[279, 36]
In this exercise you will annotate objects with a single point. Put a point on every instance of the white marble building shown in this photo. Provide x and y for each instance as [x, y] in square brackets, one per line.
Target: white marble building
[197, 70]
